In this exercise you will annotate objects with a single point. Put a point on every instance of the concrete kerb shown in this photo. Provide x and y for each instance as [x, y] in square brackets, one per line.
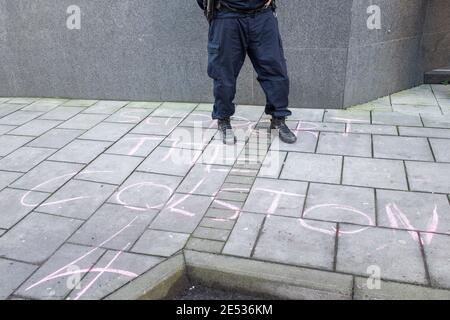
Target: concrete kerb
[161, 282]
[265, 279]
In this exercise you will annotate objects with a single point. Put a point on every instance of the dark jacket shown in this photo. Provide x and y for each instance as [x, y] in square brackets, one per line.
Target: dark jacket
[240, 4]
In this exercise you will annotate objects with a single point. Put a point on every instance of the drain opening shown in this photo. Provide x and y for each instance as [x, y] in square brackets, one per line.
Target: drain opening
[202, 292]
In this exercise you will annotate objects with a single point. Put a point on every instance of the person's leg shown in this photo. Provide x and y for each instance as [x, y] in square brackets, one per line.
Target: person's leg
[267, 55]
[226, 54]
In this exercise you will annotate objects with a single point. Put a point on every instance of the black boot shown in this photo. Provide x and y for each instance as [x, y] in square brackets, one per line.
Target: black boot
[226, 130]
[284, 132]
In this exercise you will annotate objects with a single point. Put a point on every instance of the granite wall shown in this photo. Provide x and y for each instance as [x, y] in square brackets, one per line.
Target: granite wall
[156, 50]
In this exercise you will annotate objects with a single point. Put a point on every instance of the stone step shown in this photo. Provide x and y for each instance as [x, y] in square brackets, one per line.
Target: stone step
[437, 76]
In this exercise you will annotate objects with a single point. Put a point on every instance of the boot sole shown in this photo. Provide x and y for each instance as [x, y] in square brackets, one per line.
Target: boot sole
[278, 135]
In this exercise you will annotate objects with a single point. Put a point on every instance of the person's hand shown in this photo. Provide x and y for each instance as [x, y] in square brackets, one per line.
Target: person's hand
[268, 3]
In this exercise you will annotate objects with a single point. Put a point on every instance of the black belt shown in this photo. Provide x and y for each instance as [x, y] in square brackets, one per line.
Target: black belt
[225, 7]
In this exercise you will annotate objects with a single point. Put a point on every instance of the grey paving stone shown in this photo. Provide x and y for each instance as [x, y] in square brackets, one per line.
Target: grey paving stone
[45, 102]
[306, 142]
[5, 129]
[234, 206]
[297, 242]
[419, 95]
[10, 143]
[16, 204]
[374, 173]
[6, 109]
[6, 178]
[174, 109]
[246, 157]
[248, 113]
[445, 105]
[109, 168]
[317, 126]
[35, 127]
[189, 138]
[128, 266]
[384, 105]
[2, 232]
[205, 245]
[441, 91]
[244, 235]
[413, 211]
[54, 101]
[438, 258]
[106, 107]
[211, 234]
[113, 227]
[79, 103]
[347, 116]
[107, 131]
[199, 119]
[61, 273]
[145, 191]
[441, 149]
[160, 243]
[48, 176]
[55, 138]
[240, 180]
[135, 145]
[233, 195]
[36, 237]
[218, 153]
[143, 104]
[40, 107]
[396, 119]
[417, 109]
[19, 118]
[403, 148]
[223, 213]
[173, 161]
[312, 167]
[425, 132]
[390, 290]
[80, 151]
[244, 172]
[272, 164]
[77, 199]
[345, 144]
[204, 107]
[182, 213]
[276, 197]
[395, 252]
[12, 274]
[217, 223]
[372, 129]
[340, 204]
[430, 177]
[315, 115]
[436, 121]
[21, 100]
[83, 121]
[129, 115]
[62, 113]
[156, 126]
[24, 159]
[204, 180]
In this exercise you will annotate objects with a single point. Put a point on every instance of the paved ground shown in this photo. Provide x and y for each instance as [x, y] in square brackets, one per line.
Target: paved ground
[102, 191]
